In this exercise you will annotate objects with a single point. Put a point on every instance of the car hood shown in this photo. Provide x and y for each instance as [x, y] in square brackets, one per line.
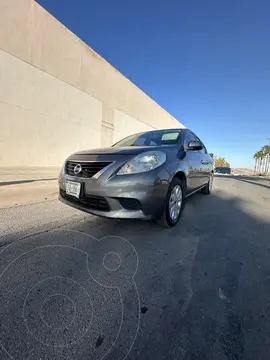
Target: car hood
[125, 150]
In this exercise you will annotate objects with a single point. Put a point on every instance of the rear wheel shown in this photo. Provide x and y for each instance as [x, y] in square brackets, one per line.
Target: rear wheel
[208, 187]
[174, 204]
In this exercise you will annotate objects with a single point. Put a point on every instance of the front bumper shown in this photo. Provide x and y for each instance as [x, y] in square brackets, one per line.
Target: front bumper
[137, 196]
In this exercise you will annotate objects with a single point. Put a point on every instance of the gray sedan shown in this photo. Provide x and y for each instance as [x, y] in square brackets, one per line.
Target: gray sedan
[144, 176]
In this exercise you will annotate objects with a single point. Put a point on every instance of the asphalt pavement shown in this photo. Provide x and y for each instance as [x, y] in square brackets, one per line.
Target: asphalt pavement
[73, 286]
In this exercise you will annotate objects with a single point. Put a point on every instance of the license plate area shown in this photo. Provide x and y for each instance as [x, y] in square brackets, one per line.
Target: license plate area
[73, 188]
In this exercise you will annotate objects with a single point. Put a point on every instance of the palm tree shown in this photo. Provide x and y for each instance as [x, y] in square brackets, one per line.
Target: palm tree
[261, 157]
[264, 153]
[266, 150]
[262, 160]
[256, 157]
[268, 155]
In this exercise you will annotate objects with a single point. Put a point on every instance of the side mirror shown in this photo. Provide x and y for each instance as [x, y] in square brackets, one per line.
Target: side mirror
[194, 145]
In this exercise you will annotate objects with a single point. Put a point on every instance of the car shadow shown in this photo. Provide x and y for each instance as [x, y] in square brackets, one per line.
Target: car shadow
[204, 286]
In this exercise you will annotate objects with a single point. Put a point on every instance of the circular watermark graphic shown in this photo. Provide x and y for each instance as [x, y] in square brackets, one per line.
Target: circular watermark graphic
[68, 295]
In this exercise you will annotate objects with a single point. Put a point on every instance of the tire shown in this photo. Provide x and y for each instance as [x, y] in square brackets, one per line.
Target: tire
[166, 220]
[208, 187]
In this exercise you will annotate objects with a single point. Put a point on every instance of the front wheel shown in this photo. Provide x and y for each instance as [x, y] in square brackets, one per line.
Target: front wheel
[174, 204]
[208, 187]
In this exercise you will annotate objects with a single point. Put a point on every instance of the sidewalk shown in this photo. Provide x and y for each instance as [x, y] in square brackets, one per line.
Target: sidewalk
[20, 186]
[14, 175]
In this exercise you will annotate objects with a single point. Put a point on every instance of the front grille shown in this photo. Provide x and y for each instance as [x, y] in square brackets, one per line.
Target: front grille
[129, 203]
[88, 201]
[89, 169]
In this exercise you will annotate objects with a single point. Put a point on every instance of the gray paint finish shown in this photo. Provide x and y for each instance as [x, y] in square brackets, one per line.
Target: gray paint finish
[148, 188]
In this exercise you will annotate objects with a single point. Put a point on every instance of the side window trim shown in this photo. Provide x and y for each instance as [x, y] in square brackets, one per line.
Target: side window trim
[186, 138]
[205, 150]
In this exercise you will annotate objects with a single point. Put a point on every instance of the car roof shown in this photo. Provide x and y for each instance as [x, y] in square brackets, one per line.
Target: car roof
[157, 130]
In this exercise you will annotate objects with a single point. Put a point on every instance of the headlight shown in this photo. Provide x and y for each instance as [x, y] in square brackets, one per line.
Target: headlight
[146, 161]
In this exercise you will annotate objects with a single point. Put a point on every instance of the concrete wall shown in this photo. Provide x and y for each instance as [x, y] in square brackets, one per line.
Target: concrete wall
[57, 95]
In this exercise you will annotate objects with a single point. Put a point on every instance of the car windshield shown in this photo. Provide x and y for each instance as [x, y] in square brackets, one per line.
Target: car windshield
[151, 138]
[224, 170]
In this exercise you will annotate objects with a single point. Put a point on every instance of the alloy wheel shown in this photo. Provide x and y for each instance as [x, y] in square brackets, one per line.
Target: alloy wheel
[175, 202]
